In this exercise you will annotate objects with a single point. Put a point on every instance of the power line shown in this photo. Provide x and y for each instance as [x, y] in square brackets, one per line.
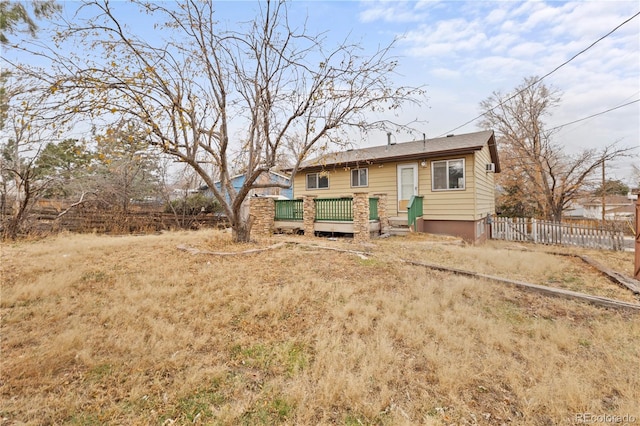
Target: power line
[544, 76]
[594, 115]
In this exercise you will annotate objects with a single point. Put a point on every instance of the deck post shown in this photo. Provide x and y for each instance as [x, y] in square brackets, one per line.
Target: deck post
[309, 215]
[361, 217]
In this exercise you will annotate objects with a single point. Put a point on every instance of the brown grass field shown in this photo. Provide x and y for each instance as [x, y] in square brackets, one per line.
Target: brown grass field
[132, 331]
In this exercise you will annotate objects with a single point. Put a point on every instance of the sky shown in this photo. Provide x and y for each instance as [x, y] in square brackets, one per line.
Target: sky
[465, 51]
[462, 52]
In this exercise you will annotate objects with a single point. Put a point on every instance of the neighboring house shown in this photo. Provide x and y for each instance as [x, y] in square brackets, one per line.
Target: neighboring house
[265, 178]
[616, 207]
[453, 174]
[575, 210]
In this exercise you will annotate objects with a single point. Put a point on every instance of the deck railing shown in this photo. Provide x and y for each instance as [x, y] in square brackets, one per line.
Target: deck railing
[338, 209]
[414, 211]
[327, 209]
[373, 209]
[289, 210]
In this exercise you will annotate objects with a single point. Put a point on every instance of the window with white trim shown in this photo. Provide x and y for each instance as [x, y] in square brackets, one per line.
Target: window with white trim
[359, 177]
[317, 181]
[447, 175]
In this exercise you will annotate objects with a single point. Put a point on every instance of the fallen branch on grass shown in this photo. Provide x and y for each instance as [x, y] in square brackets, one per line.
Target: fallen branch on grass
[360, 254]
[548, 291]
[194, 250]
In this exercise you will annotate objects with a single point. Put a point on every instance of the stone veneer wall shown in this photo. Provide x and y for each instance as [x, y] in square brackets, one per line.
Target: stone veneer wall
[308, 215]
[263, 211]
[361, 217]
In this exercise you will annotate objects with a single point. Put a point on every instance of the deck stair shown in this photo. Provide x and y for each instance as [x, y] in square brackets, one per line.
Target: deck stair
[398, 226]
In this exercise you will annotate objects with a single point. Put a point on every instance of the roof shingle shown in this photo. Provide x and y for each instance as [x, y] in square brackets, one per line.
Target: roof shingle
[457, 144]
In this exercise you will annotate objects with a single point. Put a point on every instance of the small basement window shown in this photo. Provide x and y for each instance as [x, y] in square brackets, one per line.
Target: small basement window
[317, 181]
[359, 177]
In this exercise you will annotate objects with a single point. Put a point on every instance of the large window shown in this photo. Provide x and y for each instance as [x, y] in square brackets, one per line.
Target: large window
[359, 177]
[447, 175]
[317, 181]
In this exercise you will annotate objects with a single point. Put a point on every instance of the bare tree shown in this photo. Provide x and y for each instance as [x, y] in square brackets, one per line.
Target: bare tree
[125, 167]
[24, 131]
[225, 100]
[538, 177]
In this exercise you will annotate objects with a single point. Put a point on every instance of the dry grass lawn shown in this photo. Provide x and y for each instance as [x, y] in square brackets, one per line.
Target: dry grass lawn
[130, 330]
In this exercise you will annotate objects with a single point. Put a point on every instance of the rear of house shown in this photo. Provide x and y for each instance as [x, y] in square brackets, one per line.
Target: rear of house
[452, 176]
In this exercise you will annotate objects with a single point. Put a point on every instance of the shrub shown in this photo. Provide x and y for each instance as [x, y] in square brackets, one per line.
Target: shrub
[193, 205]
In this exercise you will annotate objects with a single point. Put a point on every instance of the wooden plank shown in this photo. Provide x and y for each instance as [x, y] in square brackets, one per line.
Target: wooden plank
[548, 291]
[616, 277]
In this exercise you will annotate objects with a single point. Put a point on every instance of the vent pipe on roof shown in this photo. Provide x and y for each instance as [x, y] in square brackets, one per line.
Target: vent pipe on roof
[388, 138]
[424, 141]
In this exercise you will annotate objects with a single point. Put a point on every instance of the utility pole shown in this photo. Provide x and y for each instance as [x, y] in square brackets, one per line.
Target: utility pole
[604, 192]
[636, 273]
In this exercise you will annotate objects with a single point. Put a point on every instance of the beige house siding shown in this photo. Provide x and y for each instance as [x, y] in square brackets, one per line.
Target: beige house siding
[338, 185]
[466, 204]
[453, 212]
[381, 180]
[485, 184]
[451, 204]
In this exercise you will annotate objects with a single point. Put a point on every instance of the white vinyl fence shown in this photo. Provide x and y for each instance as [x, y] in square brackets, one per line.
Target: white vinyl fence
[543, 232]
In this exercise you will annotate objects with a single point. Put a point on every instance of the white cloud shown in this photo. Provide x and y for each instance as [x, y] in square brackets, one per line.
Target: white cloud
[496, 16]
[447, 73]
[527, 49]
[470, 49]
[396, 11]
[455, 36]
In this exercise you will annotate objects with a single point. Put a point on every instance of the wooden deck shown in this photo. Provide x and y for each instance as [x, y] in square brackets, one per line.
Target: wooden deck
[333, 226]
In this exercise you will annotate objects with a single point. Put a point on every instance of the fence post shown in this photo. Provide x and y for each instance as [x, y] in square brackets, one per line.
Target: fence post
[534, 230]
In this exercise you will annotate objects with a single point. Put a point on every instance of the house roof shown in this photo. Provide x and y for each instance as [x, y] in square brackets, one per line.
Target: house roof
[271, 172]
[414, 150]
[241, 175]
[628, 208]
[619, 200]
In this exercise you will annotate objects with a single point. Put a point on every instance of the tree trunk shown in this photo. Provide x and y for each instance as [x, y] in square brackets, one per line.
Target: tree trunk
[241, 231]
[15, 223]
[241, 223]
[556, 210]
